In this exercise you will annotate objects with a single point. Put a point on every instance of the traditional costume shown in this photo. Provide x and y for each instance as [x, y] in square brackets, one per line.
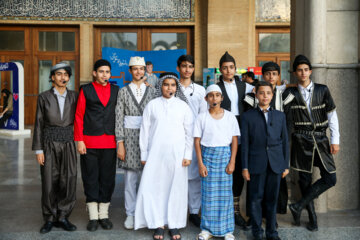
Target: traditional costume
[54, 137]
[131, 102]
[95, 125]
[310, 111]
[234, 93]
[195, 95]
[165, 140]
[217, 211]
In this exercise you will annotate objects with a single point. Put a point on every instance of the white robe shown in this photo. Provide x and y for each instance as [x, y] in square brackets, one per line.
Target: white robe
[165, 140]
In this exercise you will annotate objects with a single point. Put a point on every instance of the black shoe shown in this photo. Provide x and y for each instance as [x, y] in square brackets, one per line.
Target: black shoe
[106, 224]
[92, 225]
[296, 213]
[66, 225]
[312, 224]
[273, 238]
[195, 219]
[46, 227]
[258, 237]
[240, 221]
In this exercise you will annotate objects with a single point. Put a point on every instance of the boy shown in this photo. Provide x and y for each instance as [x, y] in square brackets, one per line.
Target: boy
[150, 78]
[166, 145]
[55, 150]
[310, 110]
[95, 136]
[249, 77]
[195, 95]
[265, 159]
[234, 92]
[216, 134]
[131, 101]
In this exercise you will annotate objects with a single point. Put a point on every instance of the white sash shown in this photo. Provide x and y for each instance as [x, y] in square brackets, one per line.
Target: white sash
[133, 122]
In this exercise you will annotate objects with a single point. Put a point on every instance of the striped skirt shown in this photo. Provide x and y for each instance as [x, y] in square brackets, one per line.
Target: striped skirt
[217, 209]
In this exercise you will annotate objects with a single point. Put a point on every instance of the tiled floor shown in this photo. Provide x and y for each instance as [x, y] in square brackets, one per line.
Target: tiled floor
[20, 213]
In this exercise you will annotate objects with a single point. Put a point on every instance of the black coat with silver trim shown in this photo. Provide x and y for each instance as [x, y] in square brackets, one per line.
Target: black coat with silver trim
[308, 132]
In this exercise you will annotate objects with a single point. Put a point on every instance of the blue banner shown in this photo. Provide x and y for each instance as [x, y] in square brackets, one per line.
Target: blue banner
[163, 61]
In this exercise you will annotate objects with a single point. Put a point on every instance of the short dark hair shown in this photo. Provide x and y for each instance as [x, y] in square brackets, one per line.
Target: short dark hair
[270, 66]
[263, 84]
[301, 59]
[185, 58]
[250, 75]
[149, 63]
[100, 63]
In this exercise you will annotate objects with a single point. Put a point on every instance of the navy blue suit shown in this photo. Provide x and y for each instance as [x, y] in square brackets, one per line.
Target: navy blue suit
[265, 153]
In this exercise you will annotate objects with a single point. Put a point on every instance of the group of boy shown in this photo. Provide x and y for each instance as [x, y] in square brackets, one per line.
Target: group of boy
[137, 123]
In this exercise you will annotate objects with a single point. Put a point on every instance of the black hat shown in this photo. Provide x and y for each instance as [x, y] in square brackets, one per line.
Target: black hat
[226, 58]
[301, 59]
[270, 66]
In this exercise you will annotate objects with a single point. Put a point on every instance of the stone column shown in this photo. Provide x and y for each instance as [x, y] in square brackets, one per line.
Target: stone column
[327, 31]
[86, 52]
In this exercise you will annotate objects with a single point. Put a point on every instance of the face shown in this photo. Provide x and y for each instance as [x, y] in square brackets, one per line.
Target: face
[102, 75]
[264, 95]
[149, 68]
[186, 70]
[60, 78]
[137, 72]
[214, 99]
[271, 77]
[244, 77]
[168, 87]
[303, 73]
[228, 70]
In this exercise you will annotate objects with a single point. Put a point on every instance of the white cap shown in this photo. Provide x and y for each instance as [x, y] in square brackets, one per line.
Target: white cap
[137, 61]
[213, 88]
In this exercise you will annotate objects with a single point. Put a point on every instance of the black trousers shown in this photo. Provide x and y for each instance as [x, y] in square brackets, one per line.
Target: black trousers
[58, 178]
[264, 188]
[98, 169]
[238, 180]
[326, 181]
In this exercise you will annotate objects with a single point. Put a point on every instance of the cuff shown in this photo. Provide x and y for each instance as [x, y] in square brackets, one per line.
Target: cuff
[335, 140]
[39, 151]
[144, 155]
[188, 154]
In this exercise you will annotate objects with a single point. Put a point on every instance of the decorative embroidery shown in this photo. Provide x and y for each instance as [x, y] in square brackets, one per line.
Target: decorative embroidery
[318, 107]
[322, 124]
[303, 123]
[298, 106]
[288, 99]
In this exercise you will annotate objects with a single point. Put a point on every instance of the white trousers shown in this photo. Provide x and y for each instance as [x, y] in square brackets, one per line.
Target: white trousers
[131, 180]
[194, 195]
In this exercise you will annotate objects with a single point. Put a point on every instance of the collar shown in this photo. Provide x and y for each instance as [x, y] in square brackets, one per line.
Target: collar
[267, 110]
[96, 84]
[168, 100]
[142, 85]
[308, 88]
[230, 83]
[56, 92]
[191, 86]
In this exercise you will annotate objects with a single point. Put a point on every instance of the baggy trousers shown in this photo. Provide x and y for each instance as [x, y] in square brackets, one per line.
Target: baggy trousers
[58, 178]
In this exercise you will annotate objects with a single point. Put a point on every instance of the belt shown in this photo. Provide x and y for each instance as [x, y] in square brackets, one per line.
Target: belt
[310, 133]
[59, 134]
[133, 122]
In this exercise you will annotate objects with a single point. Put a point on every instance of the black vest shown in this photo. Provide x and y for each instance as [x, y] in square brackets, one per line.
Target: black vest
[99, 119]
[241, 88]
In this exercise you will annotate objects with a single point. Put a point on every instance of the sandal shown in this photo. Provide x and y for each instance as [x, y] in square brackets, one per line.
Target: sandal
[159, 232]
[229, 236]
[204, 235]
[173, 232]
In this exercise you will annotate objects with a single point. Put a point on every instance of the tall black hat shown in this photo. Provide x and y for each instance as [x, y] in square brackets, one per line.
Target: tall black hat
[226, 58]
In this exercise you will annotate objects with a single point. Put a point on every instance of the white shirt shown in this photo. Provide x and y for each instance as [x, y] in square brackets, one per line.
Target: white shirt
[138, 92]
[332, 116]
[231, 91]
[61, 100]
[216, 132]
[266, 114]
[195, 95]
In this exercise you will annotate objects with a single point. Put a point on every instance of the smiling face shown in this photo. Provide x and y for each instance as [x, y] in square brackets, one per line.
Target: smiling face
[228, 70]
[149, 68]
[271, 77]
[168, 87]
[264, 94]
[60, 78]
[214, 99]
[303, 73]
[102, 75]
[137, 72]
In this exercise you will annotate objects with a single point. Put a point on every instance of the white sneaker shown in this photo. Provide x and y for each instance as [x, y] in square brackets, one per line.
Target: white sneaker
[129, 222]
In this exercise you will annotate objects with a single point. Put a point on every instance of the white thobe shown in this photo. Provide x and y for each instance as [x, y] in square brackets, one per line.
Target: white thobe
[165, 140]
